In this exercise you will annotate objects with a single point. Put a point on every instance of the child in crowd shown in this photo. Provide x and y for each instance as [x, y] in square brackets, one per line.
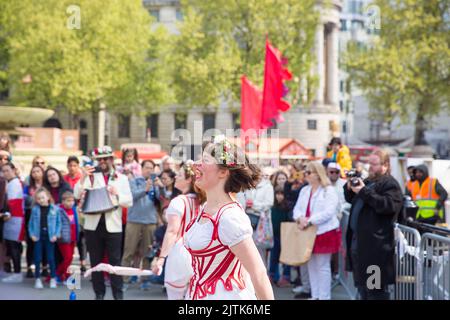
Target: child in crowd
[280, 213]
[44, 229]
[69, 234]
[130, 163]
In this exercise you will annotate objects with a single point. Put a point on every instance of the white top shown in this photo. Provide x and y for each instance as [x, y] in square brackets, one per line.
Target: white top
[234, 227]
[262, 196]
[176, 207]
[323, 208]
[343, 205]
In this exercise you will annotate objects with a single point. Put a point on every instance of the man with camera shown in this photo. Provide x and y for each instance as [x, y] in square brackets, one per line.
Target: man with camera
[142, 217]
[103, 215]
[376, 204]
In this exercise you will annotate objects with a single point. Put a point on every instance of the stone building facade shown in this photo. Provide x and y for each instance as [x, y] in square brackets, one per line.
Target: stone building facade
[313, 126]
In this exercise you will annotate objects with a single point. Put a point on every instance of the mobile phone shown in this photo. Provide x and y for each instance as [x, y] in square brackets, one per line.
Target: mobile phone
[97, 169]
[153, 176]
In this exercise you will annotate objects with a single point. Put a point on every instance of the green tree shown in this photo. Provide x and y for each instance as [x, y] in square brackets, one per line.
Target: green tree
[221, 40]
[405, 70]
[110, 59]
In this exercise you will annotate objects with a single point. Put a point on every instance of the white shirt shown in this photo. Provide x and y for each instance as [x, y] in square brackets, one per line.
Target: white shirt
[343, 205]
[323, 207]
[262, 196]
[113, 219]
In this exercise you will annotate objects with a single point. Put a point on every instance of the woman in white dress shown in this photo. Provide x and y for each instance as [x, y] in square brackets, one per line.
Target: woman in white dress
[183, 208]
[225, 260]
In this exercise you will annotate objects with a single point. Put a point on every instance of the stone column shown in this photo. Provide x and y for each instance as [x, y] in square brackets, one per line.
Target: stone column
[332, 65]
[101, 125]
[320, 68]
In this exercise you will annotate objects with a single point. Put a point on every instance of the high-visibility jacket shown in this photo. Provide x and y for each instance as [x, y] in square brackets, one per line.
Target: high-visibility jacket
[409, 186]
[343, 158]
[426, 198]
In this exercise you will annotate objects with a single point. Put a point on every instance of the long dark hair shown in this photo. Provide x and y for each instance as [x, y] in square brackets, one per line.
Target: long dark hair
[47, 183]
[32, 184]
[283, 205]
[171, 174]
[126, 151]
[276, 175]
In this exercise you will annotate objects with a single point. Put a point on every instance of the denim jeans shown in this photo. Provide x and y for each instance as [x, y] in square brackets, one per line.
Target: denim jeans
[274, 268]
[44, 244]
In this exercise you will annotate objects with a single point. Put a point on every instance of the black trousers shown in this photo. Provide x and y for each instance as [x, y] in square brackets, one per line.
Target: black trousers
[98, 243]
[81, 245]
[373, 294]
[364, 292]
[15, 250]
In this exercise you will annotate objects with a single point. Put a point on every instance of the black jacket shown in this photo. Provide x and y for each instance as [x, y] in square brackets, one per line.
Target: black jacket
[375, 241]
[291, 195]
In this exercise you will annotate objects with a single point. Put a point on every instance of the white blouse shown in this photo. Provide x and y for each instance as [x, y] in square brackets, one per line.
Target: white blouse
[234, 227]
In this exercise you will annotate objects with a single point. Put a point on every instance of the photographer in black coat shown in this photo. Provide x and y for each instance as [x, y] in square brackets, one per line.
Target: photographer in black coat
[376, 204]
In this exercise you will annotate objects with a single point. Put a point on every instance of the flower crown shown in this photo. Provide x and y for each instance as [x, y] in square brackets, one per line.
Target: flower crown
[226, 151]
[188, 168]
[102, 151]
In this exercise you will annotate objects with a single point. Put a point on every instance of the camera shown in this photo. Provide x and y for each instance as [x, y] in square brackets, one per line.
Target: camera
[354, 177]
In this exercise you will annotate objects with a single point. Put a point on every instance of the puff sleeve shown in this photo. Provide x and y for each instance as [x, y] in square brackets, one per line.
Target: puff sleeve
[234, 226]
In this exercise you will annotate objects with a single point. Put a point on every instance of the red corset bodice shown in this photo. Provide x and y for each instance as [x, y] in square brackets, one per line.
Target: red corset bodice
[214, 263]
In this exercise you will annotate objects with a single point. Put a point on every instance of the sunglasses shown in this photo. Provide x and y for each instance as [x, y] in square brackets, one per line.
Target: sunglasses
[333, 172]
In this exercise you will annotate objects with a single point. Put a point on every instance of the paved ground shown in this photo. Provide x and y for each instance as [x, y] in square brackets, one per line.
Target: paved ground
[26, 291]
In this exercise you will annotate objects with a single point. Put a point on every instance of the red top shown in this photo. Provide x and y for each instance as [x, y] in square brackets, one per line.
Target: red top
[72, 181]
[106, 177]
[55, 194]
[308, 208]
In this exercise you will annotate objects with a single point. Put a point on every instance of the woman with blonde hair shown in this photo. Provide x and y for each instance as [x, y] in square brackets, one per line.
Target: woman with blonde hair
[316, 205]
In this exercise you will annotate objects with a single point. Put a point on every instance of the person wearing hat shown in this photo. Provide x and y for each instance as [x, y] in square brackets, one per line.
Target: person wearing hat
[103, 230]
[429, 196]
[334, 174]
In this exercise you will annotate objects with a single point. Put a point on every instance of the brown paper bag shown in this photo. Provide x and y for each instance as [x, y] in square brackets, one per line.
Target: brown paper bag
[296, 244]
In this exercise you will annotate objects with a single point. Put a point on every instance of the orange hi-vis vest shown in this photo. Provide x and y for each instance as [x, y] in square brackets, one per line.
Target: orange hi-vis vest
[426, 198]
[409, 186]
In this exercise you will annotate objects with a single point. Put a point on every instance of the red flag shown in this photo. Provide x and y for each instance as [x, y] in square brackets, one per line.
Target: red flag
[274, 75]
[251, 100]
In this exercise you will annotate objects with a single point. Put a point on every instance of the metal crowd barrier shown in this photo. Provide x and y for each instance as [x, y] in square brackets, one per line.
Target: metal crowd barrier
[422, 264]
[407, 256]
[435, 279]
[345, 278]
